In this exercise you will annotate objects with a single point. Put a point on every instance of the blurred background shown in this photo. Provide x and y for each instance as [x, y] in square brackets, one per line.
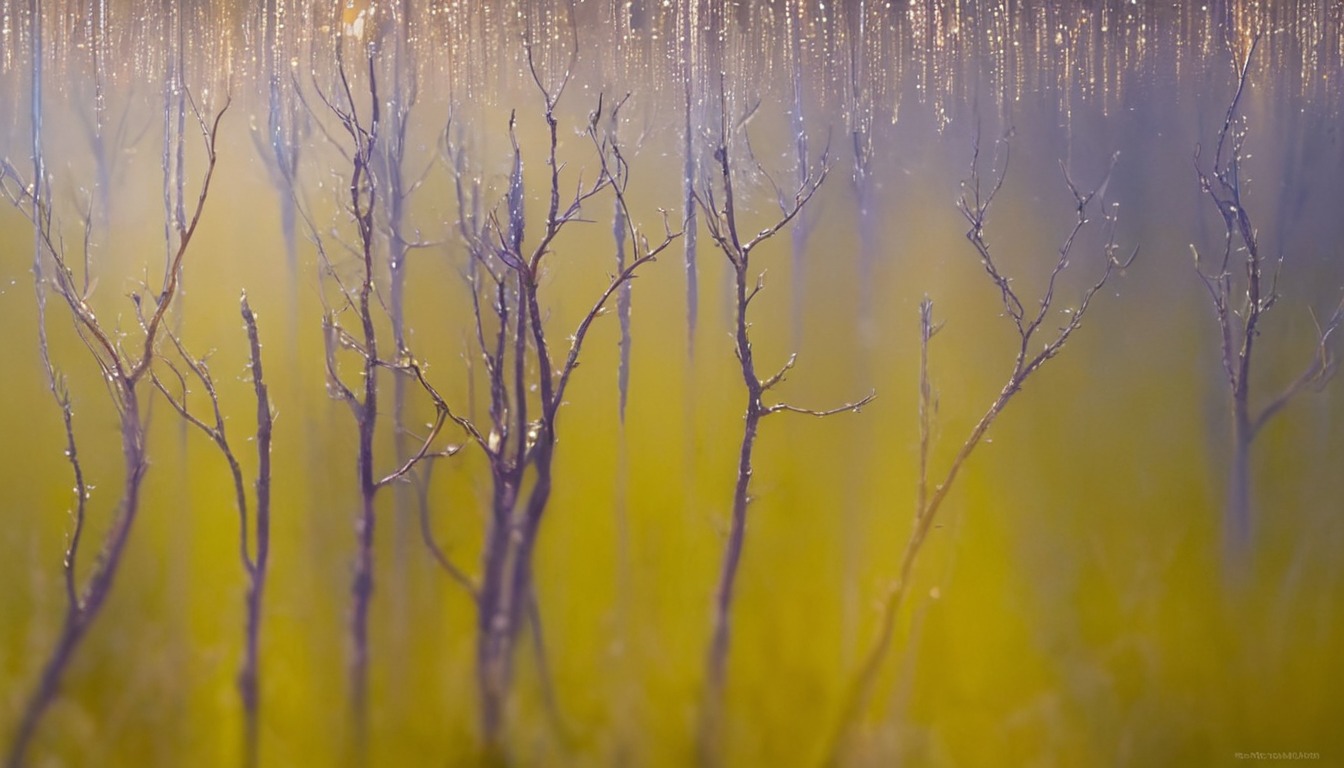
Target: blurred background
[1074, 605]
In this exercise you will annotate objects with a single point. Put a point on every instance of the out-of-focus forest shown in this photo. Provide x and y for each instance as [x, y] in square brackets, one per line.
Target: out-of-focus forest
[621, 383]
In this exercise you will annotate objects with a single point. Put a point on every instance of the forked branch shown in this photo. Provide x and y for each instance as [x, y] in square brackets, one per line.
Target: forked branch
[254, 563]
[123, 371]
[718, 199]
[1242, 285]
[975, 204]
[526, 378]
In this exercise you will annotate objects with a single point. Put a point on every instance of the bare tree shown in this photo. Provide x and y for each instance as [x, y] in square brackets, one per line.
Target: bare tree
[253, 557]
[389, 35]
[357, 304]
[1037, 344]
[1242, 284]
[718, 199]
[524, 377]
[125, 367]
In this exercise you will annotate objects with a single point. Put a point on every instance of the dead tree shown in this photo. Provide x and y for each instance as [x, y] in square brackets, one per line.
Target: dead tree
[718, 198]
[350, 326]
[389, 34]
[526, 380]
[125, 366]
[254, 557]
[1038, 341]
[1242, 284]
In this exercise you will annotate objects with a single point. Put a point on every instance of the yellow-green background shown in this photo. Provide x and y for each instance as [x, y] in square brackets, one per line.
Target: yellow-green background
[1072, 608]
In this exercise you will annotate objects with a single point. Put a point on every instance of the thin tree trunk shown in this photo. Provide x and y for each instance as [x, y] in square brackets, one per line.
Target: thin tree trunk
[248, 677]
[362, 585]
[80, 616]
[717, 665]
[1238, 514]
[492, 670]
[72, 632]
[712, 713]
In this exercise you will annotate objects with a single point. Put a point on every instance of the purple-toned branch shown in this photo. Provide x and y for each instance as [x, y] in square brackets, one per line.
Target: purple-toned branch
[718, 200]
[255, 564]
[1241, 292]
[250, 674]
[364, 193]
[527, 379]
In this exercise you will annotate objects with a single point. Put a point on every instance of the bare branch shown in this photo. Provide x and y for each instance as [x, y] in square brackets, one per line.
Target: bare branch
[1240, 293]
[770, 383]
[576, 346]
[441, 557]
[975, 206]
[409, 366]
[853, 407]
[721, 221]
[174, 275]
[122, 374]
[1317, 373]
[928, 403]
